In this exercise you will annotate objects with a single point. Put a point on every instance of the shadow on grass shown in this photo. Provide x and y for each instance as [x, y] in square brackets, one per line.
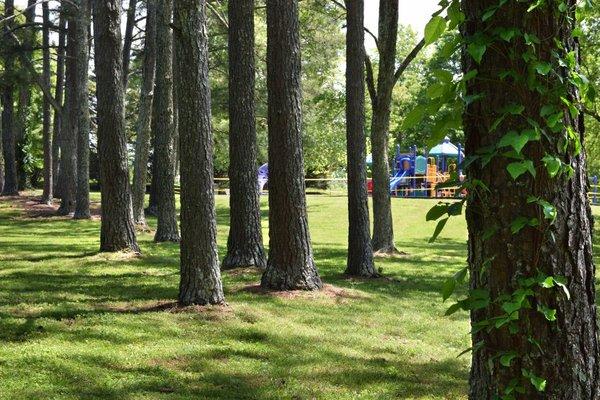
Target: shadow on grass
[39, 303]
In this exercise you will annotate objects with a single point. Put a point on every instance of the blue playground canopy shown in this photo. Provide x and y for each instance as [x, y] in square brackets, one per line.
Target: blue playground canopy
[445, 149]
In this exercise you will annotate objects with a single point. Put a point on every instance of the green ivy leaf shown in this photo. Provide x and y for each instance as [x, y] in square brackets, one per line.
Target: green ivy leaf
[448, 288]
[552, 165]
[454, 308]
[521, 222]
[516, 169]
[455, 209]
[543, 68]
[460, 276]
[470, 75]
[514, 140]
[514, 109]
[436, 212]
[489, 13]
[506, 358]
[538, 383]
[434, 29]
[477, 50]
[535, 5]
[547, 283]
[574, 136]
[438, 229]
[549, 313]
[547, 110]
[507, 34]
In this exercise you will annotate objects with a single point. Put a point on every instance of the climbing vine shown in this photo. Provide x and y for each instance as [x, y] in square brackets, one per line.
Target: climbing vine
[551, 74]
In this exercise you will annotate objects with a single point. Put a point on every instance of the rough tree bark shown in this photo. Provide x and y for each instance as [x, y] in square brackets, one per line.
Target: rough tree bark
[244, 244]
[24, 101]
[162, 126]
[117, 231]
[127, 40]
[142, 144]
[200, 274]
[1, 153]
[58, 95]
[383, 229]
[291, 264]
[46, 109]
[360, 250]
[68, 136]
[11, 183]
[82, 110]
[570, 346]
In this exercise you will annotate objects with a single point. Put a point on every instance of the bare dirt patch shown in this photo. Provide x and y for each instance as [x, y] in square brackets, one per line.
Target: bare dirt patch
[328, 292]
[33, 207]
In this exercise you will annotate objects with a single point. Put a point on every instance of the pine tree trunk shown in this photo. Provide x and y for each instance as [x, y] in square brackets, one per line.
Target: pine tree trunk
[162, 126]
[569, 361]
[153, 199]
[383, 231]
[46, 109]
[68, 136]
[11, 183]
[200, 274]
[58, 95]
[82, 110]
[24, 102]
[1, 156]
[127, 41]
[360, 250]
[244, 244]
[117, 231]
[291, 264]
[142, 144]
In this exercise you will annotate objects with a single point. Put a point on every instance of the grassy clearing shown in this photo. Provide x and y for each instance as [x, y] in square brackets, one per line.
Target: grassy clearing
[77, 324]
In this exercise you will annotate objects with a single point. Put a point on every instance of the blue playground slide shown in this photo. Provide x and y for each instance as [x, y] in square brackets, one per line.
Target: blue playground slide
[399, 180]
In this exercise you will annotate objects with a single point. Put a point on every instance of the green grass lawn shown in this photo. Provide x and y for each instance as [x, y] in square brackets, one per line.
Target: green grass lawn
[76, 324]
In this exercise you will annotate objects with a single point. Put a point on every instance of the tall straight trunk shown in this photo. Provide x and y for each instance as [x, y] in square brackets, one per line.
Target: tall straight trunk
[291, 264]
[1, 153]
[244, 244]
[68, 136]
[162, 126]
[200, 274]
[176, 141]
[117, 231]
[24, 102]
[58, 95]
[142, 144]
[127, 40]
[569, 362]
[153, 199]
[360, 250]
[46, 109]
[383, 231]
[82, 109]
[11, 183]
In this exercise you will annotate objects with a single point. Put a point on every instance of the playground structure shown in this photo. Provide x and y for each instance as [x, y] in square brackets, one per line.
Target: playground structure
[263, 177]
[420, 176]
[413, 175]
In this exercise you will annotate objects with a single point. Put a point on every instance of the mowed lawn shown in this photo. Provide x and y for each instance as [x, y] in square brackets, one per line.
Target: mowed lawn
[76, 324]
